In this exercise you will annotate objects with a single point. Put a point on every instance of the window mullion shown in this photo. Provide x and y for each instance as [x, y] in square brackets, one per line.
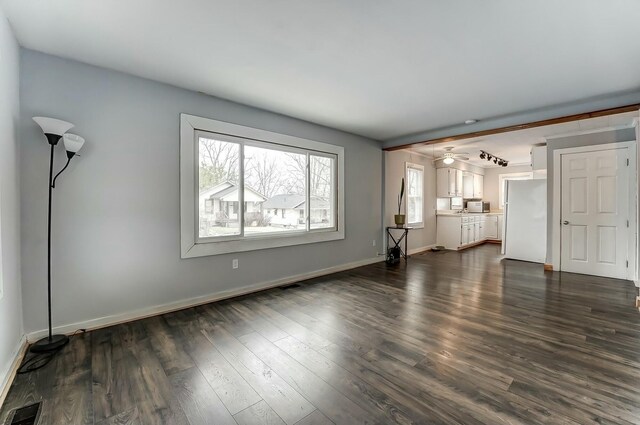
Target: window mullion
[241, 192]
[196, 187]
[308, 194]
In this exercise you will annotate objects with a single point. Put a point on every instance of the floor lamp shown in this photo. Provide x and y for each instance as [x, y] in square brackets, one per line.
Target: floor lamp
[54, 130]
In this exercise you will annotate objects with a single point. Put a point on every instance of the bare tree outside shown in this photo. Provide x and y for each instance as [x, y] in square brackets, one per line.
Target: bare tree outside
[218, 162]
[272, 172]
[274, 194]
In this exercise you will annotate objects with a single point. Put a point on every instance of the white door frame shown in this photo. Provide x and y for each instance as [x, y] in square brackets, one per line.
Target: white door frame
[632, 242]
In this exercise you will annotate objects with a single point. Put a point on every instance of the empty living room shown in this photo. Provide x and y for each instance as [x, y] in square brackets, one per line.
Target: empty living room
[311, 213]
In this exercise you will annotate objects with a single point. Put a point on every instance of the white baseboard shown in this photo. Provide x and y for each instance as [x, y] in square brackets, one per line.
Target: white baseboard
[421, 249]
[115, 319]
[6, 379]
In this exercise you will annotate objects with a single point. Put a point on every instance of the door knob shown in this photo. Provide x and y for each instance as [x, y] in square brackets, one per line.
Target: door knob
[565, 222]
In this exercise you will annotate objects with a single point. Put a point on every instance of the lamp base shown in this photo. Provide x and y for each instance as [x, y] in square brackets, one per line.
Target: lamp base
[47, 344]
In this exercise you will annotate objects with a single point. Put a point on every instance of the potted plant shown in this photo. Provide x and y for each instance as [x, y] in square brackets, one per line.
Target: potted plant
[399, 218]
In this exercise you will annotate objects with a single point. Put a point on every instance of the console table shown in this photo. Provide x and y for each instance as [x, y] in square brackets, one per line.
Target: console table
[397, 240]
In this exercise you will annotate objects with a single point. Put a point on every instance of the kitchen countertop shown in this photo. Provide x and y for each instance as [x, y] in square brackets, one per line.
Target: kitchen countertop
[456, 214]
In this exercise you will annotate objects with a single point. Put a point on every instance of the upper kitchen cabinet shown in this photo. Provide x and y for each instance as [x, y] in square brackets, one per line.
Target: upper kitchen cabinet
[539, 162]
[478, 186]
[449, 183]
[473, 185]
[539, 158]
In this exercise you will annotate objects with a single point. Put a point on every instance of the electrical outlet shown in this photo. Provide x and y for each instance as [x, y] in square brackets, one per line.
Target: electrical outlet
[374, 242]
[234, 263]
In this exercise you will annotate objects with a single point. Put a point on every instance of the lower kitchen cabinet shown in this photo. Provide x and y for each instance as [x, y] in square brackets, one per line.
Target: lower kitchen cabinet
[490, 228]
[455, 232]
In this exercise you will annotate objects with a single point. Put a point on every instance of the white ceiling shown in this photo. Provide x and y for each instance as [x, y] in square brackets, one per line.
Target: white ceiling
[376, 68]
[516, 146]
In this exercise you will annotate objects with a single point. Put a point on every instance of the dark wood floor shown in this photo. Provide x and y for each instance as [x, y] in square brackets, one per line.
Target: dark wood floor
[450, 338]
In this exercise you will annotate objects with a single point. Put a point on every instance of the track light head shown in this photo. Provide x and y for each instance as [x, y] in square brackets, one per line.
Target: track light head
[482, 155]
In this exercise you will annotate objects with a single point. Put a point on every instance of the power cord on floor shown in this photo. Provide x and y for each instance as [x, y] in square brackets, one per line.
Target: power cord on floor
[40, 360]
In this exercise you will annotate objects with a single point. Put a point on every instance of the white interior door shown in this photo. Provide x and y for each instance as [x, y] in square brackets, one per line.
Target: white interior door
[595, 213]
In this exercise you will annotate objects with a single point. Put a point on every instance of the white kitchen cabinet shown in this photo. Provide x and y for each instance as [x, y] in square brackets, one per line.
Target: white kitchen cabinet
[442, 183]
[473, 185]
[478, 186]
[458, 174]
[448, 183]
[467, 184]
[455, 232]
[464, 236]
[490, 227]
[539, 158]
[500, 224]
[449, 232]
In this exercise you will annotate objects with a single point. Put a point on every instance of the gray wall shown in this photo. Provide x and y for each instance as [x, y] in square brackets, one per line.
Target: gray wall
[11, 330]
[116, 209]
[600, 138]
[394, 172]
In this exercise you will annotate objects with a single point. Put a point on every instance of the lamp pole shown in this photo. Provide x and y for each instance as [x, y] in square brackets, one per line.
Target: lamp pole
[54, 130]
[49, 240]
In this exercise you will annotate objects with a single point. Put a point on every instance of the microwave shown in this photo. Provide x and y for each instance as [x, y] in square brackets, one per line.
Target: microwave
[478, 206]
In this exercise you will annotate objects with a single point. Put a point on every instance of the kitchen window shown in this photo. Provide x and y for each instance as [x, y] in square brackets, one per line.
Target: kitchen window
[245, 189]
[415, 194]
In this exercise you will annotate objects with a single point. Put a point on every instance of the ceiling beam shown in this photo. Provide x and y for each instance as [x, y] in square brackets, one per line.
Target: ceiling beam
[542, 123]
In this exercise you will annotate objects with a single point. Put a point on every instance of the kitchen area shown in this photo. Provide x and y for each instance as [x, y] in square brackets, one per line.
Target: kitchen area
[464, 219]
[507, 189]
[464, 199]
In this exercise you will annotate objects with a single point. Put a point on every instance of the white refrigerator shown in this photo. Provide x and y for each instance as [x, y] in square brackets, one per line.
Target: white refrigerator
[524, 234]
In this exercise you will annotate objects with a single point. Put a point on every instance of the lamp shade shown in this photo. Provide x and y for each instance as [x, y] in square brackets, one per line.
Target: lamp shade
[53, 125]
[72, 142]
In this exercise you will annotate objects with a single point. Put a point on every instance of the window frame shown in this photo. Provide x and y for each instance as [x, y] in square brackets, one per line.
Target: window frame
[192, 245]
[411, 165]
[524, 175]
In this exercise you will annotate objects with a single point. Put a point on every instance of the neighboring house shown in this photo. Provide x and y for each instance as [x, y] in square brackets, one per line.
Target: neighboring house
[288, 210]
[219, 205]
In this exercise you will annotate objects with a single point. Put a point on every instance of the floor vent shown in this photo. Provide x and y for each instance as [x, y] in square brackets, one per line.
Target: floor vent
[27, 415]
[293, 285]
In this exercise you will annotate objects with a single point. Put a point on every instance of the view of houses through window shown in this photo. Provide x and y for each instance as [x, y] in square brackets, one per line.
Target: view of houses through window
[277, 182]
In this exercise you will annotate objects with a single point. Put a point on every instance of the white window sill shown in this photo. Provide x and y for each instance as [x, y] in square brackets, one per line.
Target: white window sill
[243, 245]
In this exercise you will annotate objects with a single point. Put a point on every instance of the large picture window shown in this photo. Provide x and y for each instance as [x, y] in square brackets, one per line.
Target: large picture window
[415, 194]
[244, 189]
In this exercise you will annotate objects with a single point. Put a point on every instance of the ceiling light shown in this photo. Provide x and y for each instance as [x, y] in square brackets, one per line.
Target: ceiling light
[470, 122]
[448, 160]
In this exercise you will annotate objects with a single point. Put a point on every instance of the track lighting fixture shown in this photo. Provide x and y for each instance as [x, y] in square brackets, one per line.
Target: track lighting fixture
[496, 160]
